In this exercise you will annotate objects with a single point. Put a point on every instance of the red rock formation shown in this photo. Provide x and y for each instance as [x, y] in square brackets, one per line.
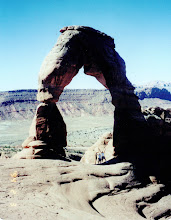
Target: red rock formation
[80, 46]
[83, 46]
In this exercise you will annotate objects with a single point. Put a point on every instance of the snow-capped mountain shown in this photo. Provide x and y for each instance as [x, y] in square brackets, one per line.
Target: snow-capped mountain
[155, 84]
[154, 89]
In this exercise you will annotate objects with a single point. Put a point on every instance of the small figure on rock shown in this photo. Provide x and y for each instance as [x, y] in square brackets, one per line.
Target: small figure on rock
[103, 156]
[98, 158]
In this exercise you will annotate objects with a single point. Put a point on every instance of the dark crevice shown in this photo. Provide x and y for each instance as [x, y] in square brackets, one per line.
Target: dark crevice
[156, 197]
[64, 173]
[66, 166]
[23, 175]
[77, 179]
[65, 182]
[74, 180]
[164, 214]
[107, 175]
[140, 210]
[91, 204]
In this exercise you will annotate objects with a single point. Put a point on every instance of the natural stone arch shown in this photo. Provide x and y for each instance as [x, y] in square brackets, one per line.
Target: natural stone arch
[133, 140]
[80, 46]
[77, 47]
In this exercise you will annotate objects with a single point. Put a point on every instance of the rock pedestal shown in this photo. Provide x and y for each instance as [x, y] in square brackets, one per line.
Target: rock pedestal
[50, 127]
[47, 134]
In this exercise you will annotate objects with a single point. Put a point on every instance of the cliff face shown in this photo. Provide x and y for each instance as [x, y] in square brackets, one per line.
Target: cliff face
[21, 104]
[85, 102]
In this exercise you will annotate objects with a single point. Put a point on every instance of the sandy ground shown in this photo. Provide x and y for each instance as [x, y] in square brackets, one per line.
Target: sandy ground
[54, 189]
[81, 131]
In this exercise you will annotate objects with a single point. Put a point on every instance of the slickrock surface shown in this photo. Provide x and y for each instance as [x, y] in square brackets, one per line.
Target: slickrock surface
[54, 189]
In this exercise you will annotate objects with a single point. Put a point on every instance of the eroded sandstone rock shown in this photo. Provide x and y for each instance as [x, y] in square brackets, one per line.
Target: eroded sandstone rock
[159, 120]
[82, 46]
[101, 151]
[79, 46]
[49, 132]
[72, 190]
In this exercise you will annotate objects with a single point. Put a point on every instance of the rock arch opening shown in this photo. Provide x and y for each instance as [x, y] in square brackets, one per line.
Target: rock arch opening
[83, 81]
[87, 110]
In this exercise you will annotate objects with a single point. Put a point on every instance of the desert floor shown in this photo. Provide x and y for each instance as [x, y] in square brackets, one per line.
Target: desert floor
[82, 132]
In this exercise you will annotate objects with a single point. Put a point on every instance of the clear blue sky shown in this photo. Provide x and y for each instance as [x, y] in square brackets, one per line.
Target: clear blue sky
[30, 28]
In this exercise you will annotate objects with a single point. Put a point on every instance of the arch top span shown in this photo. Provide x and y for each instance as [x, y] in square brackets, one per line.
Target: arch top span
[80, 46]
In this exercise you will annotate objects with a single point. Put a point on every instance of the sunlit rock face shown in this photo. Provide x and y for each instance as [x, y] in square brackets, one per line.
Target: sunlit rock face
[101, 151]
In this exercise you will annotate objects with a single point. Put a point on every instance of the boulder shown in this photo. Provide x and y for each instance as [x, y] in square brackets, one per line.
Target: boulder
[27, 153]
[101, 151]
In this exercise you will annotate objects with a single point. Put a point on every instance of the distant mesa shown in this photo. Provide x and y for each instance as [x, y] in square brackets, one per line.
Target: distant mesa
[22, 104]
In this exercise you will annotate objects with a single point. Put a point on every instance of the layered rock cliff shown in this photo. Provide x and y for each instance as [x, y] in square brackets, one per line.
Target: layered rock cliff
[21, 104]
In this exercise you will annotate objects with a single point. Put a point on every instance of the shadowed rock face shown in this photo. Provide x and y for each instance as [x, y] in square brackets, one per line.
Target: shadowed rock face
[50, 127]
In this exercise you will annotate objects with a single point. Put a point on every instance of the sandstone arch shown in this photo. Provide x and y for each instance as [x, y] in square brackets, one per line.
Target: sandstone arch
[77, 47]
[133, 140]
[80, 46]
